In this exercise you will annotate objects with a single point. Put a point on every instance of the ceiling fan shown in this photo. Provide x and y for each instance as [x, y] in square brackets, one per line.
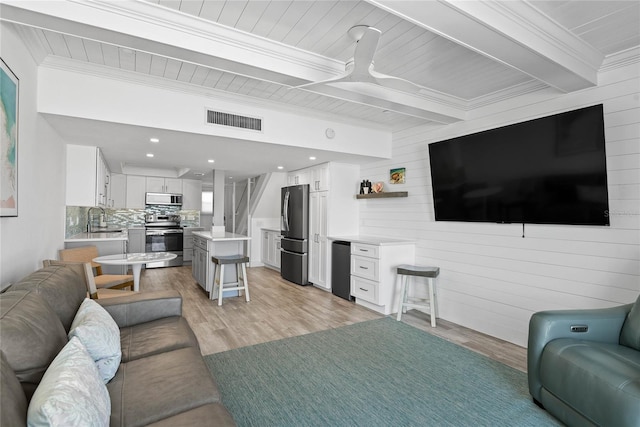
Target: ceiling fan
[359, 69]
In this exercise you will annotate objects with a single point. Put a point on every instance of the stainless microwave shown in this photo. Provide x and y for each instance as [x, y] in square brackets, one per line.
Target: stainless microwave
[163, 199]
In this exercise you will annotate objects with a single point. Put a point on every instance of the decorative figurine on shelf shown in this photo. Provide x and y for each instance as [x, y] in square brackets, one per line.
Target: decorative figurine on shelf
[365, 186]
[378, 187]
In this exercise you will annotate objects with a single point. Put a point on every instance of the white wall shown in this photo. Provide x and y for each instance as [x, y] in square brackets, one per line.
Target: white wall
[492, 279]
[38, 231]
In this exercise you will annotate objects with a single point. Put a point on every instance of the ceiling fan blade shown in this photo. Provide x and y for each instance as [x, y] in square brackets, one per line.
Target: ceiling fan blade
[394, 82]
[343, 78]
[365, 50]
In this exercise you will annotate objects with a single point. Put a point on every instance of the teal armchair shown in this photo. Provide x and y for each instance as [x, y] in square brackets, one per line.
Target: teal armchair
[583, 366]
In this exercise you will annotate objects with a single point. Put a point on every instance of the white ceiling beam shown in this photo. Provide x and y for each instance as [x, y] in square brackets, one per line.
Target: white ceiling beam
[511, 32]
[145, 27]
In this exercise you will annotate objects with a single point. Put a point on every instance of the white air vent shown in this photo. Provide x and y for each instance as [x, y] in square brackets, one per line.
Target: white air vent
[233, 120]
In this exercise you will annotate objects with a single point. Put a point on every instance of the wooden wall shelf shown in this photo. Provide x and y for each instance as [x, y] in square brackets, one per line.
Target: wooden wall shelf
[383, 195]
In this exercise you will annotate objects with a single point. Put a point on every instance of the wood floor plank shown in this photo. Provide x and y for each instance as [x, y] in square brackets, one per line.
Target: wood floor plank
[280, 309]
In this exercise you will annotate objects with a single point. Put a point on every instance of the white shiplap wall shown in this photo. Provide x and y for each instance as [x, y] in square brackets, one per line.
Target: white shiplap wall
[491, 278]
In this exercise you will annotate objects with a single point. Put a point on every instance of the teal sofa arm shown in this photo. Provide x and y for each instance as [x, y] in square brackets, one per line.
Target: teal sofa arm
[603, 325]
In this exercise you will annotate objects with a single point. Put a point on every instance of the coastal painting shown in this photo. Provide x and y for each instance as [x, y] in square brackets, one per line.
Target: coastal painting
[8, 141]
[396, 176]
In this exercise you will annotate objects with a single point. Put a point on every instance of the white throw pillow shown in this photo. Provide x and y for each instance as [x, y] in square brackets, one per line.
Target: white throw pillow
[100, 335]
[71, 392]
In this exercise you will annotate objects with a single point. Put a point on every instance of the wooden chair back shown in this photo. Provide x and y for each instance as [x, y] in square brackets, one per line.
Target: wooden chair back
[81, 254]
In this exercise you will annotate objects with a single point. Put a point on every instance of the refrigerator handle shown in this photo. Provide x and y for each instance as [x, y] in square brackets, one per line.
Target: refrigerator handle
[285, 212]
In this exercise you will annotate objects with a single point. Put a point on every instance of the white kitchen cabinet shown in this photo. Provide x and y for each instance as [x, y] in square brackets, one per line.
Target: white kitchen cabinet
[187, 244]
[318, 253]
[118, 191]
[319, 178]
[87, 181]
[200, 262]
[163, 185]
[135, 192]
[136, 242]
[373, 272]
[299, 177]
[270, 250]
[191, 194]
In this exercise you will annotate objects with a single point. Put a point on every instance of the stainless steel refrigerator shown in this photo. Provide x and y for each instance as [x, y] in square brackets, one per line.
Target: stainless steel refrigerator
[294, 220]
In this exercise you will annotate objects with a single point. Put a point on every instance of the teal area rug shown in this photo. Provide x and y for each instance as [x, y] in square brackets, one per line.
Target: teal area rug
[375, 373]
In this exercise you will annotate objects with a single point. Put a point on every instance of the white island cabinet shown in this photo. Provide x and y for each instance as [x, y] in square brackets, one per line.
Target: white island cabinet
[206, 245]
[107, 244]
[374, 261]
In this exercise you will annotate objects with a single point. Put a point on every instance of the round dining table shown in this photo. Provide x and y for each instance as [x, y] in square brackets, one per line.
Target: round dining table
[135, 260]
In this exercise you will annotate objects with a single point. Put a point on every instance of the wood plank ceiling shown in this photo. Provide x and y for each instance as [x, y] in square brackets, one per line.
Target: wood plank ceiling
[405, 50]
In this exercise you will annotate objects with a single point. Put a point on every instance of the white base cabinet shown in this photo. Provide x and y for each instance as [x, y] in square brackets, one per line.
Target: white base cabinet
[374, 281]
[270, 248]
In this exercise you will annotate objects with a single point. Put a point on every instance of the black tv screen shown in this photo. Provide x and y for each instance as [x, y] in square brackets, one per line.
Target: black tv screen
[550, 170]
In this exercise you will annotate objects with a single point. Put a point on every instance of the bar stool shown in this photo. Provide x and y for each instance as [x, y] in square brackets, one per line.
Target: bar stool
[219, 262]
[406, 271]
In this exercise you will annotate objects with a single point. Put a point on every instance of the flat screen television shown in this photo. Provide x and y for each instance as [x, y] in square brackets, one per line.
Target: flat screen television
[550, 170]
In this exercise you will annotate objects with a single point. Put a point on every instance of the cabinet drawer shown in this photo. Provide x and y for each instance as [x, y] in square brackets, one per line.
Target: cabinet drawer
[364, 267]
[364, 289]
[362, 249]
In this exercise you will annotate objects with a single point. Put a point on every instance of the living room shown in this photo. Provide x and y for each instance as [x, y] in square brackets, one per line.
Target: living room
[492, 279]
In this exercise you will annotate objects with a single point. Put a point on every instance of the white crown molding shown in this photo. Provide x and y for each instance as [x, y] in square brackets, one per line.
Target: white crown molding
[521, 89]
[621, 59]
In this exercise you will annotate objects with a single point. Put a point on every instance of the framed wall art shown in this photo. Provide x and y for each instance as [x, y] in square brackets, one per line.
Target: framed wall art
[396, 176]
[8, 141]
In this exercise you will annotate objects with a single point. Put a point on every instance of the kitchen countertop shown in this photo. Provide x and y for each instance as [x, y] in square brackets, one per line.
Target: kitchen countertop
[227, 236]
[277, 230]
[98, 237]
[373, 240]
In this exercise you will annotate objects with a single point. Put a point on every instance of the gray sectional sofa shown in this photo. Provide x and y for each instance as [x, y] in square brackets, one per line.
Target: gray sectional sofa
[584, 365]
[162, 379]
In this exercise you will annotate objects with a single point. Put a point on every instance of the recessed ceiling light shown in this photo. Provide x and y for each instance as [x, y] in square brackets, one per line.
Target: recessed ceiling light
[149, 154]
[154, 140]
[280, 167]
[312, 158]
[210, 160]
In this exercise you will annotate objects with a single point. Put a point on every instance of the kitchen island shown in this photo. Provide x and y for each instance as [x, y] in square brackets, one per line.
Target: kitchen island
[206, 245]
[108, 243]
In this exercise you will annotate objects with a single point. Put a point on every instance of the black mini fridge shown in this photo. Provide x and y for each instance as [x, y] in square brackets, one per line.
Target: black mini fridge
[341, 269]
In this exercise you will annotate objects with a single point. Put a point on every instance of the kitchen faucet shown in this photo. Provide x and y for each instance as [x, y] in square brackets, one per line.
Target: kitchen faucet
[89, 229]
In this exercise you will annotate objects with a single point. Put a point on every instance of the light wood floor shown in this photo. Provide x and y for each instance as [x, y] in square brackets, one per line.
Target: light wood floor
[280, 309]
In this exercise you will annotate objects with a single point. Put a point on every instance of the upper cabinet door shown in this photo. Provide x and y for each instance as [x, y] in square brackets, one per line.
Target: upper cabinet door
[135, 192]
[155, 184]
[191, 194]
[173, 185]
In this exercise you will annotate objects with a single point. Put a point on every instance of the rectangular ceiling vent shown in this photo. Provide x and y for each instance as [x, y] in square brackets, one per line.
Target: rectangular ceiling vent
[233, 120]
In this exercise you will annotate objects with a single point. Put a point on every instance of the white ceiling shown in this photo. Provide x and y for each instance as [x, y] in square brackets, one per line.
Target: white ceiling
[464, 54]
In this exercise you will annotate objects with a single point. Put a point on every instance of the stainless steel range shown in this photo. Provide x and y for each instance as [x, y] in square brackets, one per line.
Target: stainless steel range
[164, 234]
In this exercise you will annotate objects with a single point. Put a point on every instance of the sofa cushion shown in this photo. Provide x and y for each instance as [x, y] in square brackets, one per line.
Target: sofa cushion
[30, 337]
[630, 334]
[71, 392]
[213, 414]
[60, 286]
[153, 388]
[158, 336]
[12, 399]
[100, 335]
[600, 381]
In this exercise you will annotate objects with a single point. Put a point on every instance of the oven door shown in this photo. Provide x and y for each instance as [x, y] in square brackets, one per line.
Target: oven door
[163, 240]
